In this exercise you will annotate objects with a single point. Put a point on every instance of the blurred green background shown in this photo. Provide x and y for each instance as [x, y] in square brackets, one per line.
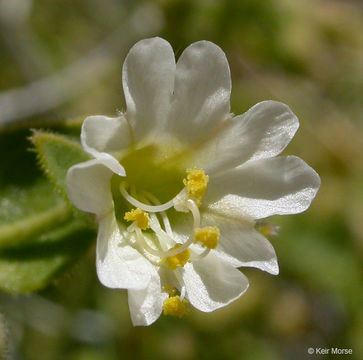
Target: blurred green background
[62, 59]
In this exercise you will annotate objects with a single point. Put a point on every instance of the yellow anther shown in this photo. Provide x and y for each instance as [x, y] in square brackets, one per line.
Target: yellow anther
[141, 218]
[169, 289]
[196, 184]
[208, 236]
[178, 260]
[175, 307]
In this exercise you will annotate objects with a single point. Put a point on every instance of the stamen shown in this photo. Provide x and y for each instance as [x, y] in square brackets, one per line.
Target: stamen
[208, 236]
[176, 250]
[203, 254]
[179, 251]
[192, 206]
[140, 237]
[163, 214]
[196, 184]
[132, 227]
[178, 260]
[176, 256]
[166, 241]
[141, 249]
[145, 207]
[180, 201]
[174, 306]
[140, 217]
[182, 293]
[156, 224]
[181, 283]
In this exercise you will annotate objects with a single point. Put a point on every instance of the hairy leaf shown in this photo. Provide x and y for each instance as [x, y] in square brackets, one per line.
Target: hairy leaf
[56, 154]
[40, 234]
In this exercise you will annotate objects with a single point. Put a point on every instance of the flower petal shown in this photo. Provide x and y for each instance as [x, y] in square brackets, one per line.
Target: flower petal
[103, 136]
[211, 283]
[265, 187]
[202, 91]
[119, 266]
[241, 245]
[262, 132]
[148, 82]
[146, 305]
[88, 187]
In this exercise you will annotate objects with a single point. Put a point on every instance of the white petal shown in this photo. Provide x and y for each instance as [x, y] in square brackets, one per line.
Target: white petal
[241, 245]
[88, 187]
[146, 305]
[202, 91]
[265, 187]
[148, 82]
[211, 283]
[102, 136]
[262, 132]
[119, 266]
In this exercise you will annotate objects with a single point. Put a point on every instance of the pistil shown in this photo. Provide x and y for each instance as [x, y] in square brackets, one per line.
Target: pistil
[145, 207]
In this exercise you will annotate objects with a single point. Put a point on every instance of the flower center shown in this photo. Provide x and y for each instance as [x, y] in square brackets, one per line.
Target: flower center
[152, 234]
[145, 216]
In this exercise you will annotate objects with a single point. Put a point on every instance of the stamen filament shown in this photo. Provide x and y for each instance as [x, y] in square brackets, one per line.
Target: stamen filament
[159, 231]
[192, 206]
[169, 241]
[142, 206]
[180, 249]
[155, 226]
[163, 214]
[181, 283]
[129, 241]
[162, 254]
[200, 256]
[132, 227]
[140, 237]
[165, 237]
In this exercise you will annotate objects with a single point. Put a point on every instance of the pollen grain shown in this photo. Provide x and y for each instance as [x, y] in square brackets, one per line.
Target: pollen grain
[141, 218]
[178, 260]
[196, 183]
[175, 307]
[208, 236]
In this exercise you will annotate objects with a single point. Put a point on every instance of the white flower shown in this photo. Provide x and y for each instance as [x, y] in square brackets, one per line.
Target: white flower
[177, 182]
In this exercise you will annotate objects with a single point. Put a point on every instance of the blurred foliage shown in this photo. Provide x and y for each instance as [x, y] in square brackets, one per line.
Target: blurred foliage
[39, 234]
[307, 54]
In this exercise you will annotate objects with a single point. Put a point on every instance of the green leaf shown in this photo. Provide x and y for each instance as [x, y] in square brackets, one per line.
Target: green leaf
[32, 267]
[40, 234]
[56, 154]
[28, 202]
[17, 233]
